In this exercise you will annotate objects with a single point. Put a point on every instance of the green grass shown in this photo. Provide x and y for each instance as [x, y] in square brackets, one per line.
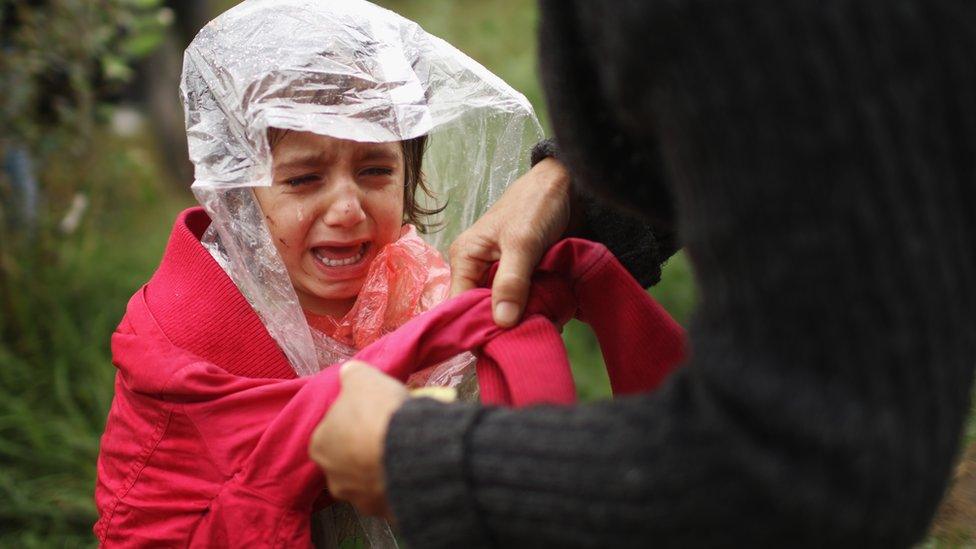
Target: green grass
[63, 296]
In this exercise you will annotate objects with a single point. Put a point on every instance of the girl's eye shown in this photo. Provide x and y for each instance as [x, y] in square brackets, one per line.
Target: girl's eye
[377, 171]
[301, 180]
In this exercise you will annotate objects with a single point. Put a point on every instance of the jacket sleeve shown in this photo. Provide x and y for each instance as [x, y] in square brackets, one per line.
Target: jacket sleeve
[227, 464]
[260, 433]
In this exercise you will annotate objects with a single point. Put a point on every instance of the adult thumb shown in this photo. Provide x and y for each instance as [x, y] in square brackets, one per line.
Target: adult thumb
[510, 289]
[352, 371]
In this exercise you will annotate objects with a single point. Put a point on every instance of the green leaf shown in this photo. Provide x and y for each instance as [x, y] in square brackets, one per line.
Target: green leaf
[115, 68]
[140, 4]
[141, 44]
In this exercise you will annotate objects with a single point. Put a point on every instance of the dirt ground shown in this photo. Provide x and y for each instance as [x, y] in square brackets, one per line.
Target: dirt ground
[955, 523]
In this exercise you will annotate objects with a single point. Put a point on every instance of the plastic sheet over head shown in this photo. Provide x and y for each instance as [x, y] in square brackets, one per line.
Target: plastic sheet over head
[350, 70]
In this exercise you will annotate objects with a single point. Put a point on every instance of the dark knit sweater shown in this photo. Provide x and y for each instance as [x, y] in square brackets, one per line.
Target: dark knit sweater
[821, 157]
[641, 247]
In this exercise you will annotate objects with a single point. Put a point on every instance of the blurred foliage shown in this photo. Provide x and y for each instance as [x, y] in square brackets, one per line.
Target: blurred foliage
[61, 297]
[61, 58]
[63, 64]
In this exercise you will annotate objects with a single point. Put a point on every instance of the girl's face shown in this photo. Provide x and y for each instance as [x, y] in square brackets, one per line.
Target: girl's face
[333, 204]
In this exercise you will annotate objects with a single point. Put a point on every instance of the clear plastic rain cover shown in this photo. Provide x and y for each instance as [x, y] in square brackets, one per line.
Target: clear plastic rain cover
[350, 70]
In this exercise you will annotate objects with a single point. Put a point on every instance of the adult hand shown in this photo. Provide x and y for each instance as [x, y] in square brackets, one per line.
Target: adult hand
[516, 231]
[348, 442]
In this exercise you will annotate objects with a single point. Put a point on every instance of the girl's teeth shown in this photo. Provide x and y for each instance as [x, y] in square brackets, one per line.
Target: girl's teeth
[345, 261]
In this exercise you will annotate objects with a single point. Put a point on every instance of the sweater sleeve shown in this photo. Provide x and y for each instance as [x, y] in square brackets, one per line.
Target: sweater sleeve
[821, 160]
[640, 246]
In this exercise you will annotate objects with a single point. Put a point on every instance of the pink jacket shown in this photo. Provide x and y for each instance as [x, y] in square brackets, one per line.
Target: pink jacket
[206, 442]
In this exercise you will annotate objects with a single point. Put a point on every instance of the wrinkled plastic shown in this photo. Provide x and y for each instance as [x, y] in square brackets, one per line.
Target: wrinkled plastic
[406, 278]
[350, 70]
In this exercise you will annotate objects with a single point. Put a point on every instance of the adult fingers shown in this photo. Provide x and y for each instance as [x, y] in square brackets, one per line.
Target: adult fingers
[366, 503]
[360, 381]
[360, 378]
[510, 289]
[354, 374]
[466, 272]
[470, 258]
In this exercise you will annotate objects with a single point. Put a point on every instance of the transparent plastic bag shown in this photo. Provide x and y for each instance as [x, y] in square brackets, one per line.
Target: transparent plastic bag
[405, 279]
[351, 70]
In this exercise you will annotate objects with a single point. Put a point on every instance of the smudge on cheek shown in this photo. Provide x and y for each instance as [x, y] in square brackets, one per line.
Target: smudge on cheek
[283, 243]
[271, 221]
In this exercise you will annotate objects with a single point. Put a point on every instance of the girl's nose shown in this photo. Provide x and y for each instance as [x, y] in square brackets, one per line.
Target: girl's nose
[346, 209]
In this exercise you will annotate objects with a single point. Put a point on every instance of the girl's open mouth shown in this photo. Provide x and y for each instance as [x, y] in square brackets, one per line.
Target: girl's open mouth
[341, 256]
